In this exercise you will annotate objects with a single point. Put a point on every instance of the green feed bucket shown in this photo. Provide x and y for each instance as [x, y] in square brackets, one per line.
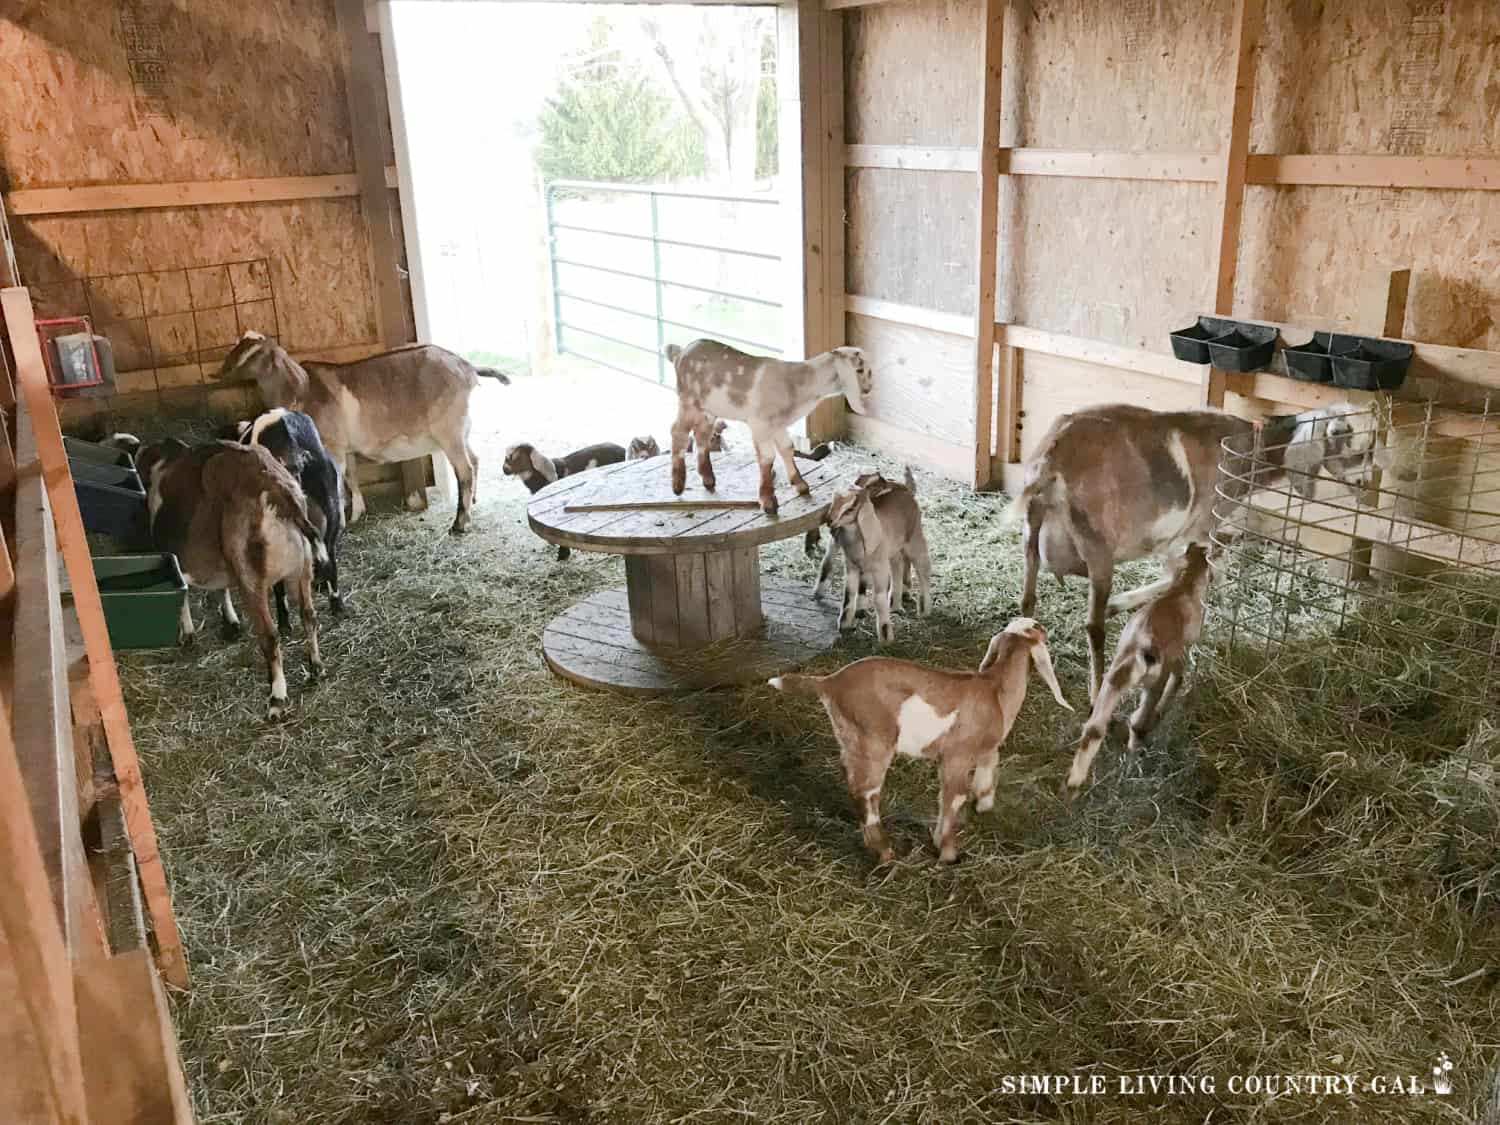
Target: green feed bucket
[142, 596]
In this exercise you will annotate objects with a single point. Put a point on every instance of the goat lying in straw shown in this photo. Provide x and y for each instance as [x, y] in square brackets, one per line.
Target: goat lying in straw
[1151, 653]
[878, 528]
[881, 707]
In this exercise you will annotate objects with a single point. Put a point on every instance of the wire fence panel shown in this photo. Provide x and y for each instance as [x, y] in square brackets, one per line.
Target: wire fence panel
[638, 267]
[1374, 591]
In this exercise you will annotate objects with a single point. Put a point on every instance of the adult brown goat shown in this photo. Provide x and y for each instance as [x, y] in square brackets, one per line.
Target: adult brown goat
[1115, 483]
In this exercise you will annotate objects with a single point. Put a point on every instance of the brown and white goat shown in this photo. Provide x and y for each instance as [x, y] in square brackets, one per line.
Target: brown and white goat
[641, 448]
[1114, 483]
[715, 380]
[1151, 654]
[235, 517]
[881, 707]
[389, 407]
[877, 526]
[536, 470]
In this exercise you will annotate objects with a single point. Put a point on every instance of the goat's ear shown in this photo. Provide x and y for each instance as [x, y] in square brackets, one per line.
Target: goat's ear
[543, 464]
[1043, 661]
[991, 653]
[870, 528]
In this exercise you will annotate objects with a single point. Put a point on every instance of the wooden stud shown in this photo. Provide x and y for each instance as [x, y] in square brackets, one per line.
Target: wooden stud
[367, 91]
[1179, 168]
[1008, 410]
[193, 193]
[991, 54]
[21, 326]
[911, 157]
[1248, 18]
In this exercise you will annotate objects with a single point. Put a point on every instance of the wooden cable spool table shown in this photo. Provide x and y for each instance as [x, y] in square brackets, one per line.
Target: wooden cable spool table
[695, 611]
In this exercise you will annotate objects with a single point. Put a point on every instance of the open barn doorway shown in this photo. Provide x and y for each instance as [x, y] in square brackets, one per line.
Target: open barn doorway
[584, 185]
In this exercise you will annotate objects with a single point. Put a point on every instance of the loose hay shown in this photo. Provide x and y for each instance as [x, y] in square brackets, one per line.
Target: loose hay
[453, 888]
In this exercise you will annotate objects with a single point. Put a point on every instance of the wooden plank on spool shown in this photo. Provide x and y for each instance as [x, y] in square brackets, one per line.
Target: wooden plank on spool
[1248, 18]
[40, 1012]
[367, 92]
[992, 53]
[21, 327]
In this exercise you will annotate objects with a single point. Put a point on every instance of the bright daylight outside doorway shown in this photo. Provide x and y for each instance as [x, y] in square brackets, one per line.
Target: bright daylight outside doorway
[591, 183]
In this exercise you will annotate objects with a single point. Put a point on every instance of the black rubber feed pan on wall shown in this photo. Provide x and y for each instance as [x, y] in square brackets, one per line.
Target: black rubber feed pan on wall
[1247, 348]
[1191, 344]
[1311, 362]
[1373, 364]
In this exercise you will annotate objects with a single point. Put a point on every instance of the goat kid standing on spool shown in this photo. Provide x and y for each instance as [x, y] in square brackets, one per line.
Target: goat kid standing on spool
[715, 380]
[1111, 484]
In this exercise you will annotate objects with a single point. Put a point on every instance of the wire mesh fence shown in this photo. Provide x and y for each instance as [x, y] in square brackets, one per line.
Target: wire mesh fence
[1378, 595]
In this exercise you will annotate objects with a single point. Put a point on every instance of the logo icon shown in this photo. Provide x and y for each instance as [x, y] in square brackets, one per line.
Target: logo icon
[1441, 1082]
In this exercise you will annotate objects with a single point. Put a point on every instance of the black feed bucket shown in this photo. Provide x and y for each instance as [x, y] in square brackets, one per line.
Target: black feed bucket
[1372, 364]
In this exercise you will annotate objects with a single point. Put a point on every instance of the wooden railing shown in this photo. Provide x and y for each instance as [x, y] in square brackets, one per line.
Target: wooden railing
[88, 1035]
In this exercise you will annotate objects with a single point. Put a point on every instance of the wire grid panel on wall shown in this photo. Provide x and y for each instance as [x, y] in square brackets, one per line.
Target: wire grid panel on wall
[1376, 597]
[179, 323]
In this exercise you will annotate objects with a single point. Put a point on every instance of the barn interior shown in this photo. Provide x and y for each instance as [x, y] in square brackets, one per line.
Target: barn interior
[453, 886]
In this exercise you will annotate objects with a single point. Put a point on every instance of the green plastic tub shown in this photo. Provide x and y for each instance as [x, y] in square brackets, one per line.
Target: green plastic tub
[142, 596]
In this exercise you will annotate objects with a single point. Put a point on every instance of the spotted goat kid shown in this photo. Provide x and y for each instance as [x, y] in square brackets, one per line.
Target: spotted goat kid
[536, 470]
[881, 707]
[716, 381]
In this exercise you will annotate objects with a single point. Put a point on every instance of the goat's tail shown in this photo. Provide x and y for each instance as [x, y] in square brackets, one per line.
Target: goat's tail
[1031, 502]
[673, 352]
[794, 684]
[493, 373]
[910, 481]
[289, 504]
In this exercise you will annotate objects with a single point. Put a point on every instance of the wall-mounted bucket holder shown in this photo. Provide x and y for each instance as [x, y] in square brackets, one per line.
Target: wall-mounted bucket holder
[1312, 362]
[1230, 345]
[1191, 344]
[1372, 364]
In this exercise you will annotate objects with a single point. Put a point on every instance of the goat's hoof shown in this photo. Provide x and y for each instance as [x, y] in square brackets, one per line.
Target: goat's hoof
[563, 554]
[187, 640]
[884, 856]
[458, 528]
[984, 803]
[802, 488]
[276, 709]
[229, 630]
[768, 505]
[314, 673]
[710, 482]
[948, 855]
[1069, 792]
[337, 604]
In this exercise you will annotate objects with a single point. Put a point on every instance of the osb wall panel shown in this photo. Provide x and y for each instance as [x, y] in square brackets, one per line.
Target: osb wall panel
[1306, 251]
[1052, 386]
[924, 380]
[150, 91]
[1136, 75]
[1408, 77]
[910, 237]
[319, 270]
[911, 73]
[1115, 260]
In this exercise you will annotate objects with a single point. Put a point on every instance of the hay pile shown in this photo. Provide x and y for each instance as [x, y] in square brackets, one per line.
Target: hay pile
[450, 888]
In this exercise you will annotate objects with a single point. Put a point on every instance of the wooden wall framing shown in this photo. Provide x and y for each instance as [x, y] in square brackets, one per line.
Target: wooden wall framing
[1147, 171]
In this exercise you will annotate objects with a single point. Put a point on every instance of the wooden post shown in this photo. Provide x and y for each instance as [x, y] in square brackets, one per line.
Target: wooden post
[991, 52]
[815, 38]
[366, 94]
[1248, 18]
[21, 326]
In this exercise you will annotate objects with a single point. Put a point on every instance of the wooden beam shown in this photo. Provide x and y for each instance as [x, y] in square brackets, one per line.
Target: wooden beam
[1008, 407]
[1099, 351]
[366, 90]
[912, 157]
[831, 5]
[1245, 31]
[991, 54]
[132, 1069]
[21, 327]
[34, 957]
[953, 324]
[828, 419]
[1178, 168]
[1481, 173]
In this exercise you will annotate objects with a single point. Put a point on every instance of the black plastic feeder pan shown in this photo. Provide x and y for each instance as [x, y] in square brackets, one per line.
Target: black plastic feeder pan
[1191, 344]
[1247, 348]
[1373, 364]
[97, 454]
[1311, 362]
[110, 499]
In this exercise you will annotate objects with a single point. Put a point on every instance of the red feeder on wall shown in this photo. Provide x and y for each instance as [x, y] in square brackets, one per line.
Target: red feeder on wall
[71, 353]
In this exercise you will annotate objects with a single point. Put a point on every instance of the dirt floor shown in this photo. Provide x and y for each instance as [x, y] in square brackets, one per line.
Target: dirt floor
[451, 888]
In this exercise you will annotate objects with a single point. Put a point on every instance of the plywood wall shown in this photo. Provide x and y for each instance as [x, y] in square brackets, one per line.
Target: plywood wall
[158, 91]
[1126, 261]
